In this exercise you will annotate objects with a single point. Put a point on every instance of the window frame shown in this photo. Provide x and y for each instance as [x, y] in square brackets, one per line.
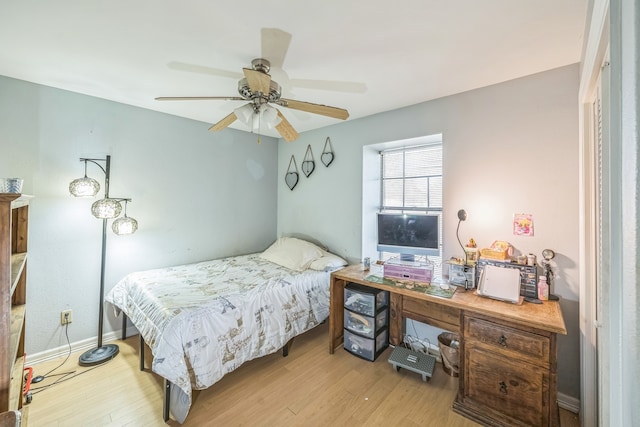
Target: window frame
[382, 207]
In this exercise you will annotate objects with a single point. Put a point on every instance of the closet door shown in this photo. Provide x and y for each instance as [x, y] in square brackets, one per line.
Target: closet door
[603, 220]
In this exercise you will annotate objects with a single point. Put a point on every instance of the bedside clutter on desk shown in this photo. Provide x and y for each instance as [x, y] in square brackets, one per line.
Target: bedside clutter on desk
[419, 271]
[500, 283]
[461, 274]
[528, 274]
[426, 288]
[499, 250]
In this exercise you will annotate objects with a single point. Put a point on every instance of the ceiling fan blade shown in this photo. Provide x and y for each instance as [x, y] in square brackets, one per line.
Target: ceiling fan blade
[285, 129]
[258, 81]
[325, 110]
[275, 44]
[201, 69]
[335, 86]
[199, 98]
[224, 122]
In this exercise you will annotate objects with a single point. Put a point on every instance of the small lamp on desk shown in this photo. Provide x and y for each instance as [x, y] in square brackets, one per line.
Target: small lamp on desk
[462, 216]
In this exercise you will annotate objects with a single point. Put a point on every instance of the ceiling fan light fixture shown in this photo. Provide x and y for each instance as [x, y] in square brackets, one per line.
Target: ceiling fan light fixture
[269, 116]
[254, 118]
[259, 89]
[245, 114]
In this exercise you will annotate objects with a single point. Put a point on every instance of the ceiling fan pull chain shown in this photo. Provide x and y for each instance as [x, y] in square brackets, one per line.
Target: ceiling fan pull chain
[259, 127]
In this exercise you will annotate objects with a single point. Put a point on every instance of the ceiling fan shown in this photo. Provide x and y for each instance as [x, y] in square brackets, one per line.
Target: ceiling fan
[258, 88]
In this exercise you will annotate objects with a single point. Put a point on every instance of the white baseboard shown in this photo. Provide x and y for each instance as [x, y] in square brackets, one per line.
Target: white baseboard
[569, 403]
[62, 351]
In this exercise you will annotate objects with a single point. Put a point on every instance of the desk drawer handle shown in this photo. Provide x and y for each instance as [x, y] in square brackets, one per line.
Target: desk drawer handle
[502, 340]
[503, 387]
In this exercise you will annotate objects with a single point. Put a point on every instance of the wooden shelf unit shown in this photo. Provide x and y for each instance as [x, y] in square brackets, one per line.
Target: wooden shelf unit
[14, 217]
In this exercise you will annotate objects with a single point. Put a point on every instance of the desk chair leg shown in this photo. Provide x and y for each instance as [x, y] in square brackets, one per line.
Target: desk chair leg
[167, 400]
[141, 353]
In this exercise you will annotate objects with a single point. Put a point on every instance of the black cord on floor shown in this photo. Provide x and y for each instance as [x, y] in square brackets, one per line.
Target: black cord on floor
[41, 377]
[65, 376]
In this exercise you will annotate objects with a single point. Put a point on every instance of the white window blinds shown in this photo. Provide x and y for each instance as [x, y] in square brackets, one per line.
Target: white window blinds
[412, 179]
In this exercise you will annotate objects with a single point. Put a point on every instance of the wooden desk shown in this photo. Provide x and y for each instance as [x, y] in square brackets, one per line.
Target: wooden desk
[507, 352]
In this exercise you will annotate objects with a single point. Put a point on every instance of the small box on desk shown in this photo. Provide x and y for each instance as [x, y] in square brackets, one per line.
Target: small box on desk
[462, 275]
[364, 300]
[408, 270]
[366, 348]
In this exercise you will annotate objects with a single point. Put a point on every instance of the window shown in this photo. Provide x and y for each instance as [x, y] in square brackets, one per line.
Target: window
[411, 181]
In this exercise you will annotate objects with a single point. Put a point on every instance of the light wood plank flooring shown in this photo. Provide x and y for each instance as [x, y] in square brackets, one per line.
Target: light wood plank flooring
[307, 388]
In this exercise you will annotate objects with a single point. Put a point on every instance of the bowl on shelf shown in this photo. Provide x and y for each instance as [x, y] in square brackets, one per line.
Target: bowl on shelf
[11, 185]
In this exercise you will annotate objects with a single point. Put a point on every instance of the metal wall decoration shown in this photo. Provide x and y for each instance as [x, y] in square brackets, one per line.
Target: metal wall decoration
[308, 163]
[291, 177]
[327, 156]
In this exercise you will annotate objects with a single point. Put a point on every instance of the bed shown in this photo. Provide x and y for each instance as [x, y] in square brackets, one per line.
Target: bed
[204, 320]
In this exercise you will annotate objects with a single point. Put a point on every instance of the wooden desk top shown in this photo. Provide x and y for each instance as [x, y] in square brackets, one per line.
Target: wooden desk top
[546, 316]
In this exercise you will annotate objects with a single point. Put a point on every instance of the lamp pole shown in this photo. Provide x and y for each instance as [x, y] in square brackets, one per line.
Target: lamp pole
[103, 260]
[101, 353]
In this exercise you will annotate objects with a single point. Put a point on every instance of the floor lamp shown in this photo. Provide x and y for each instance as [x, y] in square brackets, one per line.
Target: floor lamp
[105, 209]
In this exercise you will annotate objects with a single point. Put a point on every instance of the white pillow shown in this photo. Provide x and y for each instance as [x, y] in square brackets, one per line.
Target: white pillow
[328, 262]
[292, 253]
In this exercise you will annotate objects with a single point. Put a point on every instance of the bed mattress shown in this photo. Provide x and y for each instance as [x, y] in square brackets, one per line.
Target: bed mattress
[204, 320]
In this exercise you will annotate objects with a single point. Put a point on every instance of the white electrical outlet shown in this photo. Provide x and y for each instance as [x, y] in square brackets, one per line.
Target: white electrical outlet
[66, 316]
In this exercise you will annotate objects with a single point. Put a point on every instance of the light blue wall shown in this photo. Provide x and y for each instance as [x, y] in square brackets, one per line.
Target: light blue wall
[196, 195]
[508, 148]
[511, 147]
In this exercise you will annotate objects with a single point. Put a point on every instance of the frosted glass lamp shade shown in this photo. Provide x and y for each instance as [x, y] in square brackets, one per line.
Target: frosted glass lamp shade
[106, 208]
[124, 225]
[269, 116]
[245, 114]
[84, 187]
[254, 118]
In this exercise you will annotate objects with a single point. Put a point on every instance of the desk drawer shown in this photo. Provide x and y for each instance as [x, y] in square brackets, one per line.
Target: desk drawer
[438, 315]
[514, 391]
[508, 340]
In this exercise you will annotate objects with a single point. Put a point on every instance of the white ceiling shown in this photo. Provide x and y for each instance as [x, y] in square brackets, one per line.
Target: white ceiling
[362, 55]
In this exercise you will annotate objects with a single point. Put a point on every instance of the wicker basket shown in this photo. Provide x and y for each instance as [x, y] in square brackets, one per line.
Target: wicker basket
[448, 343]
[499, 250]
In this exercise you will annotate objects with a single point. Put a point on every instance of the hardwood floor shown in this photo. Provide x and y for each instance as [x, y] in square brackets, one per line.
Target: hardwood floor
[310, 387]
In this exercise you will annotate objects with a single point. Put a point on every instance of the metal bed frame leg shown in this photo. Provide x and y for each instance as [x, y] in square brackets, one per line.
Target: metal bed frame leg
[124, 326]
[287, 347]
[167, 400]
[141, 353]
[166, 404]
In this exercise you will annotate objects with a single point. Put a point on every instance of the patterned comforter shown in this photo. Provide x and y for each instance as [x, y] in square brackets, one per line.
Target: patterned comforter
[204, 320]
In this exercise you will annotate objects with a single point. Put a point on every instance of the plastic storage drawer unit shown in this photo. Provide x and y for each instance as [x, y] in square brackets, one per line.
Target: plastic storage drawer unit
[366, 348]
[365, 325]
[364, 300]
